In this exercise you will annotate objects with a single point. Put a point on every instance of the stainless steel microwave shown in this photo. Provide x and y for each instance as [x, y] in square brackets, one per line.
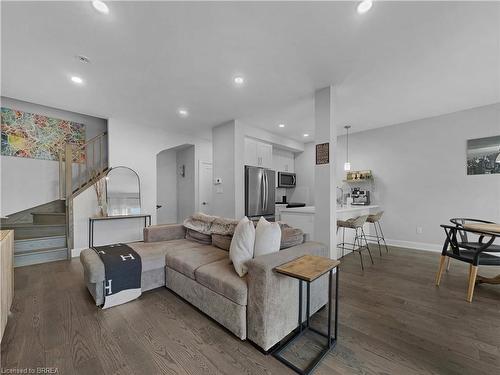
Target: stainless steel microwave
[286, 180]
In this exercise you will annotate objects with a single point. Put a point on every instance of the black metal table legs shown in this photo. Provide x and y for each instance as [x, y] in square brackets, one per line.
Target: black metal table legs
[303, 327]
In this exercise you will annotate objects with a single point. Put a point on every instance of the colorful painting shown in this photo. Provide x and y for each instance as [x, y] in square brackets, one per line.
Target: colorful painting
[28, 135]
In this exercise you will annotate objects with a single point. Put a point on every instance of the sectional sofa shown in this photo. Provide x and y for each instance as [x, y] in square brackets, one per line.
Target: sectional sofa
[262, 306]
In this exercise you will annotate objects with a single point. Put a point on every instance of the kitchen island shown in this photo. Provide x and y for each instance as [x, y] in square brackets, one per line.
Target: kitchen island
[303, 218]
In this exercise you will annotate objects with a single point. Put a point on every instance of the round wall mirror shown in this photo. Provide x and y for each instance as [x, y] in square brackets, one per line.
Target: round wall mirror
[123, 192]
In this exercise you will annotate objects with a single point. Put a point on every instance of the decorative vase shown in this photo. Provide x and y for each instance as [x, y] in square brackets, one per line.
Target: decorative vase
[101, 210]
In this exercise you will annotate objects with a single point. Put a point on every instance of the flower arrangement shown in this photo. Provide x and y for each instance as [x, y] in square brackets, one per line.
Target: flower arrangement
[100, 189]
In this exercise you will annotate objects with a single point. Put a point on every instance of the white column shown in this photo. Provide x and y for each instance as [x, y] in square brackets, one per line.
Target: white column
[325, 220]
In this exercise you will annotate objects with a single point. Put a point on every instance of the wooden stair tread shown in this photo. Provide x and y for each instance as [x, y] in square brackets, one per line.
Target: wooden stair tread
[49, 213]
[30, 225]
[40, 251]
[40, 238]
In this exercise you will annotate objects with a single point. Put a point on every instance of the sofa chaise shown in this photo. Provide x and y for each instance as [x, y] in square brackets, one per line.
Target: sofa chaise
[262, 306]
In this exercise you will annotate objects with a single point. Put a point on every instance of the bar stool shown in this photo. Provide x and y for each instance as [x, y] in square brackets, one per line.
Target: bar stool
[379, 235]
[355, 223]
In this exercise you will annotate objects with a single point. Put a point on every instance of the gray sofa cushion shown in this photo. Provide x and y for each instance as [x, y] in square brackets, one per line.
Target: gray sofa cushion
[222, 309]
[165, 232]
[199, 237]
[153, 253]
[187, 261]
[152, 257]
[221, 278]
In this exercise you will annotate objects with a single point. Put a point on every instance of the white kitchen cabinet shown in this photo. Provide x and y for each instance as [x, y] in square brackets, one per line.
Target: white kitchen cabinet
[251, 152]
[277, 210]
[265, 152]
[258, 154]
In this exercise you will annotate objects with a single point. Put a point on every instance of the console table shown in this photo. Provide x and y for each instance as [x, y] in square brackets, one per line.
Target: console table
[307, 269]
[92, 220]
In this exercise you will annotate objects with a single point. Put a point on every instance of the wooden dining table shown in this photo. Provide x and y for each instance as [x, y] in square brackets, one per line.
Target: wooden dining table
[486, 230]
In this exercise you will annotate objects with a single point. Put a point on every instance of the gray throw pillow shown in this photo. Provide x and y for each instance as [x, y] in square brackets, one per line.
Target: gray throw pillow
[221, 241]
[291, 237]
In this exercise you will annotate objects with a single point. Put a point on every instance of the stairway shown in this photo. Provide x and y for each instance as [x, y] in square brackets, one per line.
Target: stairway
[39, 234]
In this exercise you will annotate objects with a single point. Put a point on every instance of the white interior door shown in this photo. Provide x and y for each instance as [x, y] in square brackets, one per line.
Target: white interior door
[205, 185]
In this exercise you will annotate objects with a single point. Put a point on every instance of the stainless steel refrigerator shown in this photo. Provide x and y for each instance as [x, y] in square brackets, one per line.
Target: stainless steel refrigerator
[259, 192]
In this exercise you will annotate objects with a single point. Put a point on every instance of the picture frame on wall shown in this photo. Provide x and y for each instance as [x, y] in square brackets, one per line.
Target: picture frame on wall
[483, 155]
[322, 153]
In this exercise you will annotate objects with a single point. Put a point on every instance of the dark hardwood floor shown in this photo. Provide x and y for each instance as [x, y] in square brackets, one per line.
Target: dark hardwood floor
[392, 321]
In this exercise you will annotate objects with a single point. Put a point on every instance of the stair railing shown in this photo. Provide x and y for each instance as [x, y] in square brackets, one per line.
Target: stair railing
[79, 165]
[87, 161]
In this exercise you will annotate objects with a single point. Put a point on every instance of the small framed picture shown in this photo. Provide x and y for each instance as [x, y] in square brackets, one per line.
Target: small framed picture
[322, 153]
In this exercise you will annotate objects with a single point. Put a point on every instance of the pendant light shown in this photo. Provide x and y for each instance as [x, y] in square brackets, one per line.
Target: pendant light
[347, 164]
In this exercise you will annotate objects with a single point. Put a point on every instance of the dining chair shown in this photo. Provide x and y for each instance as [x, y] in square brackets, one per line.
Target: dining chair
[460, 222]
[461, 245]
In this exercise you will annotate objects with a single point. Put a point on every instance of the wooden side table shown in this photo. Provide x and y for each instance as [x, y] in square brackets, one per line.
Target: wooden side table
[307, 269]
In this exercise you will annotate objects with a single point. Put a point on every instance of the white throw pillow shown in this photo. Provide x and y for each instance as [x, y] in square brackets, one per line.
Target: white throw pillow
[242, 244]
[267, 238]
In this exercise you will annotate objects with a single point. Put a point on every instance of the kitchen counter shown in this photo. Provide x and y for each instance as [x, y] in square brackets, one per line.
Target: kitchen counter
[301, 210]
[311, 209]
[304, 217]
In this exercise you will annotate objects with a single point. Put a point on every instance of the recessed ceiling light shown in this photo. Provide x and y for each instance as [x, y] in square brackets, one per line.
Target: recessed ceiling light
[364, 6]
[183, 112]
[306, 135]
[100, 6]
[281, 125]
[239, 80]
[77, 79]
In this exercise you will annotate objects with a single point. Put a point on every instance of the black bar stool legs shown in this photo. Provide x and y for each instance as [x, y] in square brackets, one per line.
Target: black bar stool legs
[366, 243]
[379, 235]
[359, 237]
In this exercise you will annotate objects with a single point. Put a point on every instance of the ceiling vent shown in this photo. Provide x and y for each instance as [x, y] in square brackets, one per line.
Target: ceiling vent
[83, 59]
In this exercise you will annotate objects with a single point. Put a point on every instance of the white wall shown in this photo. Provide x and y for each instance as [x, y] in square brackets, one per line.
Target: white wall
[304, 169]
[223, 138]
[31, 182]
[166, 186]
[136, 146]
[420, 173]
[186, 184]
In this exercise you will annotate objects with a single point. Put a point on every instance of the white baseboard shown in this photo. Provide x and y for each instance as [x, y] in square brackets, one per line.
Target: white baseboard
[414, 245]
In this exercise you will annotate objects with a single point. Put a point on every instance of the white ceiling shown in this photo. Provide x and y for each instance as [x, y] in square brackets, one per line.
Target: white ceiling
[400, 61]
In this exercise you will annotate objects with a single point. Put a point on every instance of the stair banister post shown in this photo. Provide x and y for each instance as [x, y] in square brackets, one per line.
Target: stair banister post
[68, 155]
[62, 192]
[69, 196]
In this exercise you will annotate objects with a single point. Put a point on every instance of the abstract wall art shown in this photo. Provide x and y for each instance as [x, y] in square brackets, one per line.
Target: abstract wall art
[483, 155]
[30, 135]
